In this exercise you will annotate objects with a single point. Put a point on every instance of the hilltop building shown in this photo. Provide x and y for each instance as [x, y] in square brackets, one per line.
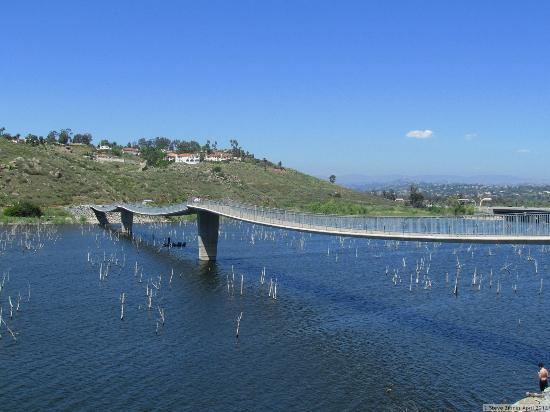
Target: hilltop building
[131, 151]
[217, 157]
[187, 158]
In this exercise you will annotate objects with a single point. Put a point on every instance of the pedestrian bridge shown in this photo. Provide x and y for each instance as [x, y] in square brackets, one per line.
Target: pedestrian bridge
[503, 228]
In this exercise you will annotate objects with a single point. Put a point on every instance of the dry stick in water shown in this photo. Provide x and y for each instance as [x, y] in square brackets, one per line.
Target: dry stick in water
[9, 330]
[239, 324]
[161, 313]
[122, 299]
[455, 291]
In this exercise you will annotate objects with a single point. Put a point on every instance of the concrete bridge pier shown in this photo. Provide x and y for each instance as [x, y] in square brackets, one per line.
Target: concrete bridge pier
[101, 217]
[208, 226]
[127, 219]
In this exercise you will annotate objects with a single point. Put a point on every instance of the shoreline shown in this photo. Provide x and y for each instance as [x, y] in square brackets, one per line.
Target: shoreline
[81, 214]
[535, 400]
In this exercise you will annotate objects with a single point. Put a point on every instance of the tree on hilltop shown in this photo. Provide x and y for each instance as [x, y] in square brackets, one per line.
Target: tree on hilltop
[153, 156]
[332, 179]
[188, 146]
[416, 198]
[65, 136]
[207, 147]
[236, 150]
[51, 138]
[84, 138]
[32, 139]
[162, 143]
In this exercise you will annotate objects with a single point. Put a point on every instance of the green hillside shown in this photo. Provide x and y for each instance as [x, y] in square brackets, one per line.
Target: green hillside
[54, 176]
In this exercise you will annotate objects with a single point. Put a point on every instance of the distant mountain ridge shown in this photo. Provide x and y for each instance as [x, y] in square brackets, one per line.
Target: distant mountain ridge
[365, 182]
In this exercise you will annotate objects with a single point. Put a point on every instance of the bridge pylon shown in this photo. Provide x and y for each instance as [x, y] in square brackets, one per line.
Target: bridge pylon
[208, 227]
[127, 220]
[101, 217]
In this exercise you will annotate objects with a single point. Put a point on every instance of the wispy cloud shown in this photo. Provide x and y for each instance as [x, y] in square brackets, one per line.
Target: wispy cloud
[523, 151]
[470, 136]
[420, 134]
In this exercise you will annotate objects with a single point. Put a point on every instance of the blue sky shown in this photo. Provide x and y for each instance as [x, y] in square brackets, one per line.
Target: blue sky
[326, 87]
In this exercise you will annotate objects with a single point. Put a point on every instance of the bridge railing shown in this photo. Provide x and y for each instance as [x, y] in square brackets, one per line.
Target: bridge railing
[482, 225]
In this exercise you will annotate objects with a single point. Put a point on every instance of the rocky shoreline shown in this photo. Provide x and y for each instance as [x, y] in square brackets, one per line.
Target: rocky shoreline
[535, 401]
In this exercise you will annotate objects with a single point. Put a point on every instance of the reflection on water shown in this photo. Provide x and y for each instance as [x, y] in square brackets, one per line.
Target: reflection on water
[357, 324]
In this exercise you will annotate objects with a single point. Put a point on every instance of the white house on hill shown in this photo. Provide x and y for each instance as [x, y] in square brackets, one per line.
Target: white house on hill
[187, 158]
[217, 157]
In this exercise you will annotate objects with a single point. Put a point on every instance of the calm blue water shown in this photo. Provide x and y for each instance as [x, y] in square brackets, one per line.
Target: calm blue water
[342, 334]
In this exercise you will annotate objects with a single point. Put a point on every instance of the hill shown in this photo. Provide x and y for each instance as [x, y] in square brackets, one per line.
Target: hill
[52, 175]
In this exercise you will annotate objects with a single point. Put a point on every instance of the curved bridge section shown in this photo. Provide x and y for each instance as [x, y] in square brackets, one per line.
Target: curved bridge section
[127, 211]
[140, 209]
[515, 229]
[510, 228]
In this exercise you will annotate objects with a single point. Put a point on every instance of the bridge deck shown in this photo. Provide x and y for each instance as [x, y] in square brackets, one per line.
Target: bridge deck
[140, 209]
[359, 227]
[516, 229]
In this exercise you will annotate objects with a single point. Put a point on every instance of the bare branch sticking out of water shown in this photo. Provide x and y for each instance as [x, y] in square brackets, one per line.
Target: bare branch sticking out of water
[9, 330]
[122, 300]
[161, 313]
[238, 324]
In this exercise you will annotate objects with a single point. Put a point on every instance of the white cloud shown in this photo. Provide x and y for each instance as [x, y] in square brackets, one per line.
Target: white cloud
[523, 151]
[420, 134]
[470, 136]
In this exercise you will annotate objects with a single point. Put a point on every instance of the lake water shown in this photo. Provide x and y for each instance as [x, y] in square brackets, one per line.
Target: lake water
[348, 330]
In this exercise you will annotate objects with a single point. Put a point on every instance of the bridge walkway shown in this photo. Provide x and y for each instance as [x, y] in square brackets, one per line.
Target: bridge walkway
[514, 228]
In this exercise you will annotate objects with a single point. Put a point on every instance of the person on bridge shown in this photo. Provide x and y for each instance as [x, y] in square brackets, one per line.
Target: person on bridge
[543, 377]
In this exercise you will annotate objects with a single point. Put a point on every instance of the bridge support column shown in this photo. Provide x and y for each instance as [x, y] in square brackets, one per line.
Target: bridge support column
[208, 225]
[101, 217]
[127, 219]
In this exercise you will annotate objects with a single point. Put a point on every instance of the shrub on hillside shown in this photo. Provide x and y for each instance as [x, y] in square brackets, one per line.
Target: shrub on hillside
[23, 209]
